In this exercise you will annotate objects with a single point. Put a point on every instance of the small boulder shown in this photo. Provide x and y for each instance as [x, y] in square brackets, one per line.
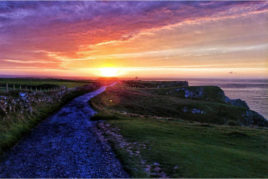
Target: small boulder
[197, 111]
[236, 102]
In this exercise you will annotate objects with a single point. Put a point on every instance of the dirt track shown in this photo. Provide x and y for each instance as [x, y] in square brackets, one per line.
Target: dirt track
[63, 145]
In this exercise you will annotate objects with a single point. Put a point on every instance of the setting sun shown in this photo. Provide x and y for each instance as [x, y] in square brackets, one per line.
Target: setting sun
[108, 72]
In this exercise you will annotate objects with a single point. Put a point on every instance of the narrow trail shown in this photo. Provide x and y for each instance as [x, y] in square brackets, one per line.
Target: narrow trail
[63, 145]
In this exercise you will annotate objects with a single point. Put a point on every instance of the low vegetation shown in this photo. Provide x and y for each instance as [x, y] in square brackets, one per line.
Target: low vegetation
[41, 83]
[154, 136]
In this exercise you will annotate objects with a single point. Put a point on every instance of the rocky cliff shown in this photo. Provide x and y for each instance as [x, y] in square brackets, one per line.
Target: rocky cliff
[213, 93]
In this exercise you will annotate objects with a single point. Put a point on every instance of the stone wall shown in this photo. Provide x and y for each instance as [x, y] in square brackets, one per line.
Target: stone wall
[22, 102]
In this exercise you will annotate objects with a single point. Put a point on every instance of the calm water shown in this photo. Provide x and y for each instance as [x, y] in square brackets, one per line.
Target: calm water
[254, 92]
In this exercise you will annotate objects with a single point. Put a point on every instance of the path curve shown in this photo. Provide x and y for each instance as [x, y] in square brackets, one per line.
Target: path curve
[63, 145]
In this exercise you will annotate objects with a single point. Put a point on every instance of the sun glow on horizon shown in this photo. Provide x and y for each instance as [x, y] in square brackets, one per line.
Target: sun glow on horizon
[109, 72]
[152, 40]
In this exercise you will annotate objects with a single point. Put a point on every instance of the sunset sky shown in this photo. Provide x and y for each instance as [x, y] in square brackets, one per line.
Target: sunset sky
[144, 39]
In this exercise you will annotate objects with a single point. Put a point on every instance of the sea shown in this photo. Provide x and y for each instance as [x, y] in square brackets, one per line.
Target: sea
[253, 91]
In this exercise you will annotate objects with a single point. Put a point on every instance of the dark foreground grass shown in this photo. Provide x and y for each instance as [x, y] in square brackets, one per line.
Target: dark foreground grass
[186, 149]
[17, 125]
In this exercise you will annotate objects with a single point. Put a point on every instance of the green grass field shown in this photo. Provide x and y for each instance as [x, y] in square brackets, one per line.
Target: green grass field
[37, 82]
[198, 150]
[182, 146]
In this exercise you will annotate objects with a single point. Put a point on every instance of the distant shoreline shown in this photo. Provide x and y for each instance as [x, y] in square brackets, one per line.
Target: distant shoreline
[132, 78]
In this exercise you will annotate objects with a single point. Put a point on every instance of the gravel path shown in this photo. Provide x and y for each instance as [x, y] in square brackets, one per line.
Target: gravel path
[63, 145]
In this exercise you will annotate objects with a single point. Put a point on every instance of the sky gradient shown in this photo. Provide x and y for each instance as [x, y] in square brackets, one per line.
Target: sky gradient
[145, 39]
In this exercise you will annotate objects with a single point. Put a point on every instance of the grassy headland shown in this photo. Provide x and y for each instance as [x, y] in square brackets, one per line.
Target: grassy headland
[155, 136]
[168, 102]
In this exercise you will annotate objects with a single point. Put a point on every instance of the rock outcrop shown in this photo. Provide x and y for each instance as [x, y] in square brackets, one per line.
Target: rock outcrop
[236, 102]
[192, 93]
[208, 93]
[252, 118]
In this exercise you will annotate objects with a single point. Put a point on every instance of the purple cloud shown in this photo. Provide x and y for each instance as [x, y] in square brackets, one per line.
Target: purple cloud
[62, 27]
